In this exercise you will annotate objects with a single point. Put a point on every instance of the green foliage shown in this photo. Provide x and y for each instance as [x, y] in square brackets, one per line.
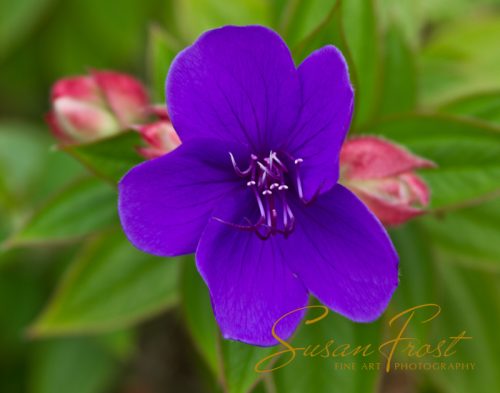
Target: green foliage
[417, 284]
[461, 59]
[162, 50]
[109, 158]
[110, 285]
[76, 365]
[297, 19]
[470, 301]
[399, 79]
[83, 208]
[404, 57]
[476, 243]
[363, 35]
[196, 16]
[30, 169]
[329, 32]
[484, 106]
[17, 20]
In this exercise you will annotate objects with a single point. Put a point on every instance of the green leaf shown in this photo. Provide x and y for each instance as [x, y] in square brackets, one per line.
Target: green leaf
[417, 281]
[231, 362]
[30, 181]
[82, 33]
[109, 158]
[476, 243]
[410, 16]
[297, 19]
[461, 59]
[198, 313]
[329, 32]
[110, 285]
[84, 207]
[196, 16]
[17, 141]
[319, 374]
[484, 106]
[467, 154]
[74, 365]
[399, 85]
[362, 33]
[17, 20]
[27, 289]
[162, 49]
[470, 301]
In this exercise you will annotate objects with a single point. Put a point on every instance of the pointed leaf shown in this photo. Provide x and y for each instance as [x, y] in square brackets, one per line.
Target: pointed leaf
[110, 285]
[86, 206]
[362, 32]
[162, 49]
[484, 106]
[399, 85]
[461, 59]
[109, 158]
[476, 243]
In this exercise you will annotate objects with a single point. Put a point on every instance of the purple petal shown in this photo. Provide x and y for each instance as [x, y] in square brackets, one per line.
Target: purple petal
[250, 284]
[343, 255]
[164, 204]
[235, 83]
[328, 101]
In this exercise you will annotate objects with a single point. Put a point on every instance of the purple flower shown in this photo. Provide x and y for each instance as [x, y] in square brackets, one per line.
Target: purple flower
[253, 188]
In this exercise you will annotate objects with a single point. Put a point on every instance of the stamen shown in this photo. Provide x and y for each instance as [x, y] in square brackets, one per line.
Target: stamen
[281, 165]
[237, 169]
[298, 180]
[267, 178]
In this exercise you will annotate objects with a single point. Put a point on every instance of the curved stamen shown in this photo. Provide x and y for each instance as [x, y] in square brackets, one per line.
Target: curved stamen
[267, 178]
[238, 170]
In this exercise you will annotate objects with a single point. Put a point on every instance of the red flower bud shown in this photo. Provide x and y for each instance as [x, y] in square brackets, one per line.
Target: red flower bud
[86, 108]
[381, 174]
[159, 136]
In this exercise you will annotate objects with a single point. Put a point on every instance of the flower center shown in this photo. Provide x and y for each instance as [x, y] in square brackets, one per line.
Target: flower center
[267, 178]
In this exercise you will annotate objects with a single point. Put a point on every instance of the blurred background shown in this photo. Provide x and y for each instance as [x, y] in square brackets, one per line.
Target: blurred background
[82, 312]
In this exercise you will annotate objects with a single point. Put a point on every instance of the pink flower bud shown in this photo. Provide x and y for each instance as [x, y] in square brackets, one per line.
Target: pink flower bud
[86, 108]
[381, 174]
[159, 136]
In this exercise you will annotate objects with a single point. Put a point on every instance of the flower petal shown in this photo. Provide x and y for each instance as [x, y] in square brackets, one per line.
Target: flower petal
[83, 121]
[160, 138]
[125, 95]
[82, 88]
[235, 83]
[56, 129]
[164, 204]
[391, 211]
[328, 101]
[343, 255]
[369, 157]
[250, 284]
